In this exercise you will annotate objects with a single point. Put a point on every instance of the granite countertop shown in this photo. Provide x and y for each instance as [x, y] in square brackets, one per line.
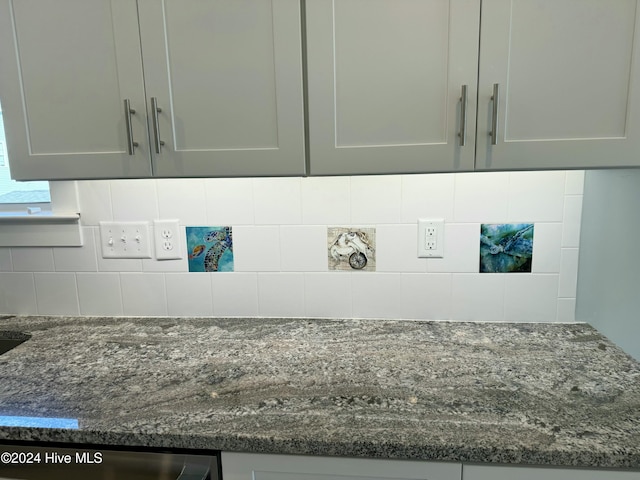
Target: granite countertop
[548, 394]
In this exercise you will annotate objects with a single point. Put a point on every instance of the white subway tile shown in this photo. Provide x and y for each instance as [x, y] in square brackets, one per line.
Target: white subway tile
[189, 294]
[134, 200]
[57, 293]
[531, 298]
[303, 248]
[547, 240]
[376, 295]
[277, 200]
[575, 182]
[182, 199]
[328, 294]
[427, 196]
[99, 294]
[114, 264]
[281, 294]
[426, 296]
[536, 196]
[229, 201]
[256, 249]
[375, 199]
[143, 294]
[478, 297]
[77, 259]
[572, 220]
[18, 293]
[6, 265]
[95, 201]
[326, 200]
[566, 310]
[235, 294]
[481, 197]
[461, 250]
[568, 273]
[397, 249]
[32, 259]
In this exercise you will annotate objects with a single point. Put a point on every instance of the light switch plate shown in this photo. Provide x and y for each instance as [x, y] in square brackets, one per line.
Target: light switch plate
[125, 239]
[431, 237]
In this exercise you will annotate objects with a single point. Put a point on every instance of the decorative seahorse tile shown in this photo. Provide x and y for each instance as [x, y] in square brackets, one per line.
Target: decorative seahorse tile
[210, 249]
[351, 248]
[506, 247]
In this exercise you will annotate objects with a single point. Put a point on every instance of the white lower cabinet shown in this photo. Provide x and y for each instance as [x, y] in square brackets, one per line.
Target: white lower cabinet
[249, 466]
[491, 472]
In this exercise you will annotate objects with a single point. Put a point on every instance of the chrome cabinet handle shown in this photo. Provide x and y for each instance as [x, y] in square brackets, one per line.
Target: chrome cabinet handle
[155, 110]
[128, 111]
[494, 115]
[463, 117]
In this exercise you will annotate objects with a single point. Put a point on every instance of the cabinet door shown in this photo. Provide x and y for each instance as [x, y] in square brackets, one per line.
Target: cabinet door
[482, 472]
[246, 466]
[568, 72]
[227, 76]
[67, 67]
[385, 80]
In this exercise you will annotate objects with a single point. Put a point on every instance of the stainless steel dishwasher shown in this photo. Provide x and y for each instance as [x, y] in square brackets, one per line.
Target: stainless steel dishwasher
[40, 463]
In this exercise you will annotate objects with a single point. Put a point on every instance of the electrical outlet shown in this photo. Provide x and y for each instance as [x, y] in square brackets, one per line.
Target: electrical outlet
[431, 238]
[125, 240]
[167, 239]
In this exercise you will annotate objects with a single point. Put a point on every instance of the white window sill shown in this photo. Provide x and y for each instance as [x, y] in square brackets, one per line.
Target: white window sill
[57, 228]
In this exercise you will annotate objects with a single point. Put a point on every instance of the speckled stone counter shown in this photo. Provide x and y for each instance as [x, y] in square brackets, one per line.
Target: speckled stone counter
[476, 392]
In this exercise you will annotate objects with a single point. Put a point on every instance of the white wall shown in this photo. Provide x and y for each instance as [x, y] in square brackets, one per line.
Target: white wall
[609, 279]
[279, 228]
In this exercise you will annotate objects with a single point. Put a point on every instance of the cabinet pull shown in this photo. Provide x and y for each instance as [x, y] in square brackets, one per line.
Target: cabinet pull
[128, 111]
[463, 117]
[155, 110]
[494, 116]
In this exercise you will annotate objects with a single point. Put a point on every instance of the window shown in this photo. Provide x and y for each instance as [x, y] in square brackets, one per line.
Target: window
[18, 196]
[53, 219]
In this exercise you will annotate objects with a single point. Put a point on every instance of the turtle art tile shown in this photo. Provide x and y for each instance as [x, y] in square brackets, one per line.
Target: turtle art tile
[210, 249]
[351, 248]
[506, 247]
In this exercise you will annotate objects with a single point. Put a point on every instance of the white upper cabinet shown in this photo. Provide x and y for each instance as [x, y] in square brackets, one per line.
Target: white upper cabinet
[66, 69]
[567, 74]
[225, 76]
[385, 81]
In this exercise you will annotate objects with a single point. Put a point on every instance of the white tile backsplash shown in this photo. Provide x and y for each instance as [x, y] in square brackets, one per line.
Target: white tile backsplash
[235, 294]
[57, 293]
[73, 259]
[325, 200]
[189, 294]
[375, 199]
[280, 249]
[143, 294]
[100, 294]
[531, 298]
[376, 295]
[478, 296]
[536, 195]
[328, 294]
[481, 197]
[36, 259]
[426, 296]
[281, 294]
[6, 265]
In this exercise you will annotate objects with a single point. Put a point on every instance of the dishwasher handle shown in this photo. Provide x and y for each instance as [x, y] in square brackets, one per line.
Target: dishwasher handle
[198, 468]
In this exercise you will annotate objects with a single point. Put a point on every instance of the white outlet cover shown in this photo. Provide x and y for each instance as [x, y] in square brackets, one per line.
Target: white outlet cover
[166, 234]
[125, 239]
[431, 246]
